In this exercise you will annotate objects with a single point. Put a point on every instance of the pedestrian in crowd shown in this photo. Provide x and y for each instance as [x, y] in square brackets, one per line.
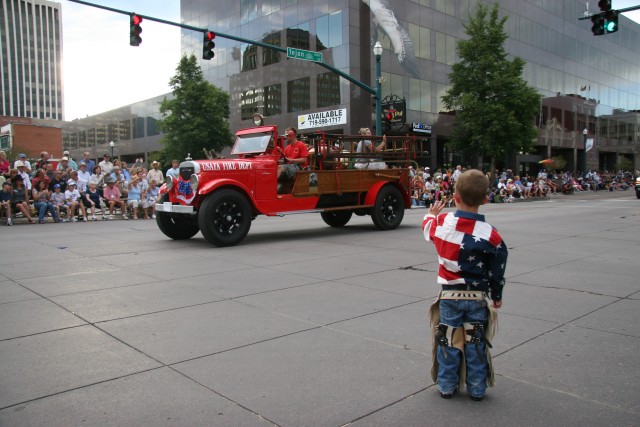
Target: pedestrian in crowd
[5, 166]
[72, 195]
[93, 199]
[42, 202]
[65, 168]
[57, 179]
[40, 176]
[59, 202]
[98, 177]
[121, 182]
[105, 164]
[72, 164]
[155, 173]
[5, 200]
[149, 204]
[20, 198]
[135, 196]
[22, 171]
[113, 198]
[27, 165]
[472, 259]
[86, 158]
[126, 172]
[44, 160]
[175, 170]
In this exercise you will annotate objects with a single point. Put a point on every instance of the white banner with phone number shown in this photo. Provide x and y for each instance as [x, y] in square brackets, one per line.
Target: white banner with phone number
[322, 118]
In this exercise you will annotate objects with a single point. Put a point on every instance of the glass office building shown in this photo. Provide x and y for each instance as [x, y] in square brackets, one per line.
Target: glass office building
[30, 57]
[582, 78]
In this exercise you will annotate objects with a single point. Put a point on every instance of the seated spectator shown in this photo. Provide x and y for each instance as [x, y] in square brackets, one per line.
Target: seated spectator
[5, 200]
[121, 182]
[5, 165]
[136, 195]
[40, 176]
[42, 202]
[149, 203]
[155, 173]
[98, 177]
[57, 179]
[59, 202]
[93, 199]
[22, 171]
[72, 195]
[20, 198]
[113, 198]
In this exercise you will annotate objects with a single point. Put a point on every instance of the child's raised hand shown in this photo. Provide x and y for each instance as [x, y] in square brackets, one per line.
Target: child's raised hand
[436, 208]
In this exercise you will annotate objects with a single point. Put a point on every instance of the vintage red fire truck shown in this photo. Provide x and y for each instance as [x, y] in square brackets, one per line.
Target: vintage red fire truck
[221, 197]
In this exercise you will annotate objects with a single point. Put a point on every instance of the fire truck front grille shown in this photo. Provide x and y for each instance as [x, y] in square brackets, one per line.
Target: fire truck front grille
[186, 173]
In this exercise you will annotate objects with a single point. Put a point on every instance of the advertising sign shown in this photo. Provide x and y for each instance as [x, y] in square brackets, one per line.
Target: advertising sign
[322, 118]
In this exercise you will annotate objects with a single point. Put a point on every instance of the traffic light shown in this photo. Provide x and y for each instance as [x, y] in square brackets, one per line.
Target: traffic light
[135, 30]
[611, 21]
[208, 45]
[604, 5]
[598, 24]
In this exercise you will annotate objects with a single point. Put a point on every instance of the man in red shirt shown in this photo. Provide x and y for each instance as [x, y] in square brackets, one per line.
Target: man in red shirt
[296, 156]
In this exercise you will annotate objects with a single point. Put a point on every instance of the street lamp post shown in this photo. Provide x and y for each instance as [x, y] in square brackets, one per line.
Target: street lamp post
[377, 51]
[112, 144]
[585, 132]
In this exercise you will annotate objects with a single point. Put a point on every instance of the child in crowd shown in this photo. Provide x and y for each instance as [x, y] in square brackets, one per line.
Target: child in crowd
[59, 202]
[5, 200]
[72, 195]
[472, 259]
[150, 200]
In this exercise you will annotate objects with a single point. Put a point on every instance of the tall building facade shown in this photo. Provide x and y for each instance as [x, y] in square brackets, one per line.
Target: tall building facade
[30, 59]
[580, 77]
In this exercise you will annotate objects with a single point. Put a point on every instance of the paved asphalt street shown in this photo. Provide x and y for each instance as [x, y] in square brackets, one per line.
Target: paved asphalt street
[111, 323]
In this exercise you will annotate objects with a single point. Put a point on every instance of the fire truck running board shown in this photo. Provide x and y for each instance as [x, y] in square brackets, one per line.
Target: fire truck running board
[341, 208]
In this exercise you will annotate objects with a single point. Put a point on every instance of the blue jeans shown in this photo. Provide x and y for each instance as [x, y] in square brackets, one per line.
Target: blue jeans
[42, 209]
[454, 313]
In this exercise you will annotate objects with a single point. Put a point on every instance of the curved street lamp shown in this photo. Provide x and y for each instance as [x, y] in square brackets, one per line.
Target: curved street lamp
[585, 132]
[377, 51]
[112, 144]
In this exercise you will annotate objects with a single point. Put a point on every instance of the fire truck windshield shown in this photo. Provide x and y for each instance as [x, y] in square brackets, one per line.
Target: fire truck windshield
[251, 143]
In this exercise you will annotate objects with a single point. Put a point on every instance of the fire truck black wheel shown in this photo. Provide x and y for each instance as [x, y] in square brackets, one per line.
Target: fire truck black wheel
[388, 211]
[178, 227]
[336, 218]
[225, 217]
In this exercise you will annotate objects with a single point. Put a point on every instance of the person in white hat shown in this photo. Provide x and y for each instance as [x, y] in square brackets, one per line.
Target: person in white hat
[23, 158]
[22, 171]
[155, 174]
[72, 195]
[72, 163]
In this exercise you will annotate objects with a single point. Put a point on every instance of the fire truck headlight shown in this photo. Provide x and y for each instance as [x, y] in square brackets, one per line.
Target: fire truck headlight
[194, 182]
[169, 182]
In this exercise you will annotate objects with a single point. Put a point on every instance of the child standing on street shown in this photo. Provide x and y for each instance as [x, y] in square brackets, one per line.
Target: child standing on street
[472, 258]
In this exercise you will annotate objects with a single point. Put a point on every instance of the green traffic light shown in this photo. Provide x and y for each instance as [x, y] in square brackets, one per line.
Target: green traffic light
[610, 26]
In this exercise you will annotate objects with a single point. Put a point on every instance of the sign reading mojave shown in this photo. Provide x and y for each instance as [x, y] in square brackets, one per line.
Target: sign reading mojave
[322, 118]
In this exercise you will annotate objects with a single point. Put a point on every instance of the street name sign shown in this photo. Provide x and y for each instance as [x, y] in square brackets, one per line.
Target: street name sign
[305, 55]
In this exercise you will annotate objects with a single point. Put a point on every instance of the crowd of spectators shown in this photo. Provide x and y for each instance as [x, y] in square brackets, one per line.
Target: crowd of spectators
[74, 191]
[506, 186]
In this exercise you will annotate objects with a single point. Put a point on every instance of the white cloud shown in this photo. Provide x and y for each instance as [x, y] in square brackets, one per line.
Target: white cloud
[101, 71]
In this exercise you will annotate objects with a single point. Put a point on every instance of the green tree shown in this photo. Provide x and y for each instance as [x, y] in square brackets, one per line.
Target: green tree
[495, 108]
[197, 118]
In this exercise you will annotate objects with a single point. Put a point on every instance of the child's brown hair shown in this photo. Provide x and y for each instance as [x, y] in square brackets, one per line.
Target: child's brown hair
[472, 187]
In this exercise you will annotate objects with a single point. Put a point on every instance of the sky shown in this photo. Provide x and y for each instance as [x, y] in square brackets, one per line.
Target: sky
[102, 72]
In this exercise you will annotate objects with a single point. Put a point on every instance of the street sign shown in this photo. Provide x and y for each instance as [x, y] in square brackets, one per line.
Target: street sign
[305, 55]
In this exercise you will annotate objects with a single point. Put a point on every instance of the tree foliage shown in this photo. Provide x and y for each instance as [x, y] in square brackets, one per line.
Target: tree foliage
[495, 108]
[197, 118]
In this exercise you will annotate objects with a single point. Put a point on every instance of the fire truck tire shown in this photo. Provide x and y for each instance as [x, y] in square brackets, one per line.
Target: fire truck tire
[336, 218]
[177, 227]
[388, 211]
[225, 217]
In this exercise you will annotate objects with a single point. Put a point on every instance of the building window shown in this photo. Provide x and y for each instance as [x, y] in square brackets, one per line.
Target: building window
[273, 100]
[249, 102]
[270, 6]
[248, 11]
[298, 37]
[271, 56]
[329, 31]
[249, 57]
[298, 94]
[328, 89]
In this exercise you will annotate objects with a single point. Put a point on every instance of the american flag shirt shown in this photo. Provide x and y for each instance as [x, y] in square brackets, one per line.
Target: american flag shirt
[471, 253]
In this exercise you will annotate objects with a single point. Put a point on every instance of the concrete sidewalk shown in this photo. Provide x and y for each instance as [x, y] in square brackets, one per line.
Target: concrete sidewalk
[111, 323]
